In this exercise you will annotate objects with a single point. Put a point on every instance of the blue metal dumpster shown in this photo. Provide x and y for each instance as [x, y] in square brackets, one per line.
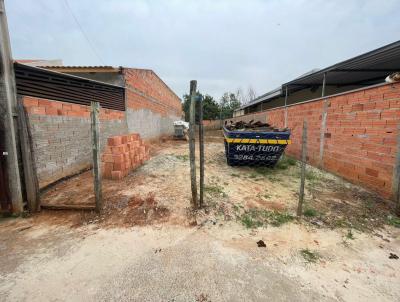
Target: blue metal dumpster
[254, 148]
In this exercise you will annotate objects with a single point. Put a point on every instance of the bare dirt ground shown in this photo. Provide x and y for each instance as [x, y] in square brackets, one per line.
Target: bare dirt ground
[147, 245]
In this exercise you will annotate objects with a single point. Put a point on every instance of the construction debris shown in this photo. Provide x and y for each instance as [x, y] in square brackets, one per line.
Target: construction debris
[253, 126]
[261, 243]
[393, 256]
[392, 78]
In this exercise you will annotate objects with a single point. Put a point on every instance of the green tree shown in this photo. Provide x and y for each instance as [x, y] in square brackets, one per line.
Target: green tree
[210, 107]
[228, 103]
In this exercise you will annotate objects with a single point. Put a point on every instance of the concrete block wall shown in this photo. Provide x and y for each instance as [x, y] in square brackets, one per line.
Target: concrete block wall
[359, 140]
[61, 131]
[61, 136]
[151, 106]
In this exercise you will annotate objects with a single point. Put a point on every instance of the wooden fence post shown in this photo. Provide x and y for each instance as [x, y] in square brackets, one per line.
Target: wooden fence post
[28, 160]
[95, 130]
[8, 107]
[201, 149]
[322, 132]
[303, 169]
[192, 150]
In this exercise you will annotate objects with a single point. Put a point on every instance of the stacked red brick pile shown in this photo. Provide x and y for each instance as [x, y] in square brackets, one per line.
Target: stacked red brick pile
[123, 154]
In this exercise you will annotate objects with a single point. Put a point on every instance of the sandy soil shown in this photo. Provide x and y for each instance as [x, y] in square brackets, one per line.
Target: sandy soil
[145, 245]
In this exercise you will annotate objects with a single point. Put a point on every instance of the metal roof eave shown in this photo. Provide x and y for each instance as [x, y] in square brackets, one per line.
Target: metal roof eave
[83, 69]
[363, 64]
[67, 75]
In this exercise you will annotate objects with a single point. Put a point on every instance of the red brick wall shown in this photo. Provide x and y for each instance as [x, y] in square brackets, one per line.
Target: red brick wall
[360, 134]
[360, 137]
[41, 106]
[148, 91]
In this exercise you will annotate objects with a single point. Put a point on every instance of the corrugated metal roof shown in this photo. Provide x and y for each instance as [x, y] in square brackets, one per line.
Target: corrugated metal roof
[366, 69]
[40, 62]
[79, 66]
[39, 82]
[70, 68]
[105, 68]
[67, 75]
[370, 66]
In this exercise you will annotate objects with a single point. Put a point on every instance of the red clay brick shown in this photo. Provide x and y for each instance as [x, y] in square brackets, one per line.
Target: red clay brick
[66, 106]
[376, 148]
[114, 141]
[389, 114]
[117, 150]
[394, 103]
[371, 172]
[390, 141]
[106, 174]
[385, 104]
[370, 106]
[73, 113]
[371, 181]
[44, 102]
[116, 175]
[108, 158]
[357, 107]
[30, 101]
[125, 156]
[57, 105]
[118, 158]
[134, 136]
[107, 168]
[37, 110]
[51, 111]
[119, 166]
[379, 124]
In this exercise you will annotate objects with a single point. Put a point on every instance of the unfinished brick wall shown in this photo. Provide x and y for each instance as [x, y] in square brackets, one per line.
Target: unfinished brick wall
[123, 154]
[152, 106]
[360, 137]
[153, 88]
[61, 136]
[359, 140]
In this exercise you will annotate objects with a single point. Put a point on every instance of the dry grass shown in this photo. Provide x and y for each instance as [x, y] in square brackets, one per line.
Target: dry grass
[159, 192]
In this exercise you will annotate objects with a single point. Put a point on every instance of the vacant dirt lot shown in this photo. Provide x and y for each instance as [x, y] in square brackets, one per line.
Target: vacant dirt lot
[147, 245]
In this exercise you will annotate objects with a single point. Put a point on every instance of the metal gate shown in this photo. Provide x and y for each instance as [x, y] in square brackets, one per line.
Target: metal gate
[5, 202]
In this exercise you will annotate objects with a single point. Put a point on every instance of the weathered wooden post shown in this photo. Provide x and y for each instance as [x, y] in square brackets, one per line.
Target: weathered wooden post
[8, 108]
[192, 150]
[28, 160]
[201, 149]
[95, 129]
[303, 169]
[286, 109]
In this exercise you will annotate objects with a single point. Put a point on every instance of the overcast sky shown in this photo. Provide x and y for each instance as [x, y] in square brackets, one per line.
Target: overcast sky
[224, 45]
